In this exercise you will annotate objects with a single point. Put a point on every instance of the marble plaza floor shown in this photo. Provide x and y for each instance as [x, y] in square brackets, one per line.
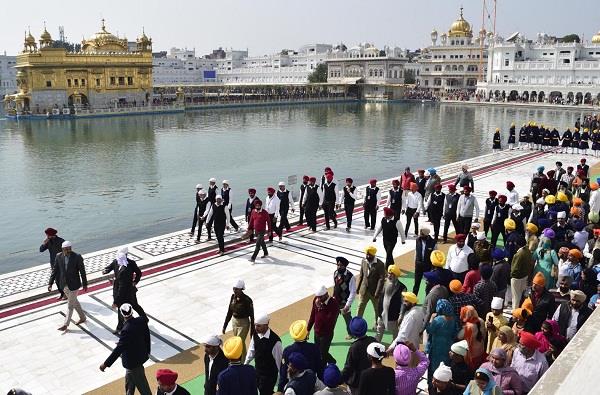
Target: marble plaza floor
[186, 287]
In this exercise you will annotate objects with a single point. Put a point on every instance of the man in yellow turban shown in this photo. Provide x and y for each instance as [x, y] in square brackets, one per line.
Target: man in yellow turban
[237, 379]
[370, 282]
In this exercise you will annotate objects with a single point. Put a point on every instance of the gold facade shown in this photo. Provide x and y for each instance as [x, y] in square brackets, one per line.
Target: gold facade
[104, 74]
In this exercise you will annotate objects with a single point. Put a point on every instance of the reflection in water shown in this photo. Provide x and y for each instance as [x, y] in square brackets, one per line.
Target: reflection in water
[106, 181]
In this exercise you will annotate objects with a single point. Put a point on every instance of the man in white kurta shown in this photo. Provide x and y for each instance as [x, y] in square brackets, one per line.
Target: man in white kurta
[412, 321]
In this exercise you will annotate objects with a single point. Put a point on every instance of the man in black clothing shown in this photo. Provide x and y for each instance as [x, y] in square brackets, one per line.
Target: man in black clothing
[344, 290]
[69, 269]
[53, 243]
[285, 204]
[435, 209]
[425, 245]
[501, 212]
[227, 201]
[313, 198]
[266, 351]
[211, 193]
[395, 199]
[543, 303]
[301, 200]
[214, 363]
[219, 216]
[450, 206]
[378, 379]
[134, 349]
[249, 207]
[357, 359]
[421, 181]
[392, 228]
[330, 200]
[126, 275]
[371, 204]
[204, 207]
[349, 200]
[195, 220]
[490, 207]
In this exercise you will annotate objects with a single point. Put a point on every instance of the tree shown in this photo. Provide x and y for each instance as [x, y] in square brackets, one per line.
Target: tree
[569, 38]
[319, 74]
[70, 47]
[409, 76]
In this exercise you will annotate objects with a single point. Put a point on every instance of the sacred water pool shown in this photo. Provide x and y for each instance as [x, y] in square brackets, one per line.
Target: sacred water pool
[109, 181]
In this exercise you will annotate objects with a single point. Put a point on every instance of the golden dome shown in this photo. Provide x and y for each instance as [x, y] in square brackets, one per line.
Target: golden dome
[460, 27]
[45, 36]
[596, 38]
[29, 39]
[104, 41]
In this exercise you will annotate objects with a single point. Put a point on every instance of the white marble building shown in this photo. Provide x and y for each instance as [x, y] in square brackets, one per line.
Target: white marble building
[285, 67]
[456, 62]
[379, 72]
[8, 73]
[543, 70]
[181, 67]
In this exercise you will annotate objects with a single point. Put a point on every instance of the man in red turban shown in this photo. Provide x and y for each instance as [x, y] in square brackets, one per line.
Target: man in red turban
[166, 379]
[53, 243]
[528, 361]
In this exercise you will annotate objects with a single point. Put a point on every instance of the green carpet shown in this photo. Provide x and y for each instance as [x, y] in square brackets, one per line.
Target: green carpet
[339, 345]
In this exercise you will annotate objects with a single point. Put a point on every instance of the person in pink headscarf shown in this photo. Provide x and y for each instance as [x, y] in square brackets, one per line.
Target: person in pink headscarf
[551, 341]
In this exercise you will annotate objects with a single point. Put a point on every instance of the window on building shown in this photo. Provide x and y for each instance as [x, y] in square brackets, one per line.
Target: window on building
[121, 80]
[83, 82]
[69, 83]
[462, 42]
[566, 60]
[113, 80]
[76, 82]
[129, 80]
[506, 62]
[426, 82]
[48, 84]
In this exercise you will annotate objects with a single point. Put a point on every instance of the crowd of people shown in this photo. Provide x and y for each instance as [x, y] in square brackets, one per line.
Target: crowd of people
[541, 263]
[584, 137]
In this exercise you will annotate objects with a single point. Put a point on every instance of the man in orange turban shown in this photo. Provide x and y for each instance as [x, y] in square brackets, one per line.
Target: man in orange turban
[542, 302]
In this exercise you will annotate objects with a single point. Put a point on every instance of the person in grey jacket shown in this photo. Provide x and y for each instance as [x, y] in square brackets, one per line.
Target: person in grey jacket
[68, 268]
[465, 179]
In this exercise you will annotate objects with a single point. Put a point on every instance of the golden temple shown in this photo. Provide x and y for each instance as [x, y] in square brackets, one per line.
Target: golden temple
[107, 72]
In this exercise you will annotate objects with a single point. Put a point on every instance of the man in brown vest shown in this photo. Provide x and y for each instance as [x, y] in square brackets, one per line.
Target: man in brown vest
[370, 284]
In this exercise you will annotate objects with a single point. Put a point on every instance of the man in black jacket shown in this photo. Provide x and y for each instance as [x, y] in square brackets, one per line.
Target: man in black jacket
[357, 359]
[127, 275]
[195, 220]
[542, 301]
[266, 351]
[134, 349]
[564, 313]
[424, 246]
[214, 363]
[53, 243]
[67, 270]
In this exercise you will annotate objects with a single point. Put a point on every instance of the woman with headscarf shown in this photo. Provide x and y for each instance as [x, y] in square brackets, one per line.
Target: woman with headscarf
[551, 341]
[506, 340]
[483, 384]
[441, 330]
[546, 261]
[473, 332]
[506, 377]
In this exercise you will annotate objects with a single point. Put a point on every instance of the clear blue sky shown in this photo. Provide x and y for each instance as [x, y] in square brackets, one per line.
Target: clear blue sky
[265, 26]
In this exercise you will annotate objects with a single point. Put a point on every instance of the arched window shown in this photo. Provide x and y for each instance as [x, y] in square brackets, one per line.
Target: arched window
[461, 68]
[454, 68]
[395, 73]
[370, 72]
[381, 72]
